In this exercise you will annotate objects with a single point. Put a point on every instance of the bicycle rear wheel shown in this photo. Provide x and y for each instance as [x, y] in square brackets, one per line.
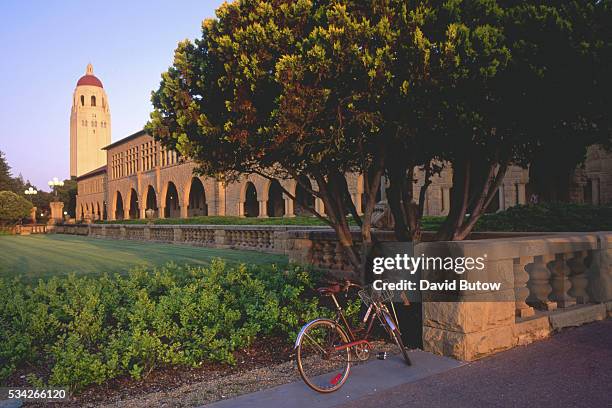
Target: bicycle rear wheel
[322, 367]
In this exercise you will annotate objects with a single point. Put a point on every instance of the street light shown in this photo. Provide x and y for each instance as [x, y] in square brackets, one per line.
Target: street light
[54, 184]
[30, 192]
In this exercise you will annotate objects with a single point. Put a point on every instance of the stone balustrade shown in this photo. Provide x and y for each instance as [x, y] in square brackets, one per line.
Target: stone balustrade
[27, 229]
[548, 282]
[268, 238]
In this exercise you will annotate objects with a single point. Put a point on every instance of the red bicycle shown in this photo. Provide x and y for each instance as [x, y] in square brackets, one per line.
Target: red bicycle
[327, 347]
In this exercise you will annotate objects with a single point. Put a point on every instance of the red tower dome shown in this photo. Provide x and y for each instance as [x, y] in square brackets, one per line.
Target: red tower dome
[89, 78]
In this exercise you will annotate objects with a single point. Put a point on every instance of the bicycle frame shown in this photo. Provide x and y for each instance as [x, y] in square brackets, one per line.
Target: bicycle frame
[371, 318]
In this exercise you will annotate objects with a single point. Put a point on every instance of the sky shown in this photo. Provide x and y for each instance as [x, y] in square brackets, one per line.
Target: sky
[45, 47]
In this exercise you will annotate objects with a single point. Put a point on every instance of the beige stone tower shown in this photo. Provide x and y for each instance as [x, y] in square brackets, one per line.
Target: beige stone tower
[90, 125]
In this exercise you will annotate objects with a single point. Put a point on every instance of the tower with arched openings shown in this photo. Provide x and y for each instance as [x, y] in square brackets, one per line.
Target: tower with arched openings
[90, 125]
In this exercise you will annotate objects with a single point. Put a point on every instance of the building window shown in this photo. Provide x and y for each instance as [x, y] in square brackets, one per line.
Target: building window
[93, 100]
[82, 100]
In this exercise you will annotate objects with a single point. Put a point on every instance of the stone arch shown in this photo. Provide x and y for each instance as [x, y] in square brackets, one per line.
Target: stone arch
[134, 205]
[118, 207]
[249, 200]
[98, 213]
[196, 198]
[303, 197]
[171, 201]
[275, 203]
[150, 201]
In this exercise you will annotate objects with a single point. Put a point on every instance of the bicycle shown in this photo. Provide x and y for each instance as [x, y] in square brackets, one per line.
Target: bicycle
[325, 346]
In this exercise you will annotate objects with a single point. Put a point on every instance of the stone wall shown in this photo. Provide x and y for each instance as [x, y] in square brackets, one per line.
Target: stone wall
[553, 281]
[549, 281]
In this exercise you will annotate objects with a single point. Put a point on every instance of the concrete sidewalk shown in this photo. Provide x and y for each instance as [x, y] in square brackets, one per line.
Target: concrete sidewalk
[366, 379]
[573, 368]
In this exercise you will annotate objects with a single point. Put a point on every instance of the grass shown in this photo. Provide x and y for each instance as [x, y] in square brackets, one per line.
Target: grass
[43, 256]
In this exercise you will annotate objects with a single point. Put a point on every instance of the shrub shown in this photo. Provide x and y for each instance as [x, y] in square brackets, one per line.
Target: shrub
[549, 217]
[13, 207]
[88, 330]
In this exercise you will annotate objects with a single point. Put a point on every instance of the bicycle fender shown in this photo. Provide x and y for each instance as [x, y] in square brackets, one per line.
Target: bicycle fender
[301, 333]
[390, 321]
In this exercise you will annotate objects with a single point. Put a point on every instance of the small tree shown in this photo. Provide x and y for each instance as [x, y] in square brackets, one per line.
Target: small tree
[13, 208]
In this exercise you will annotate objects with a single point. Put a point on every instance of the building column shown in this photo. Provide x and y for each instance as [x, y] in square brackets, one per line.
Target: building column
[319, 206]
[502, 197]
[161, 212]
[357, 202]
[241, 209]
[263, 206]
[520, 194]
[184, 210]
[383, 188]
[143, 213]
[445, 200]
[595, 191]
[289, 211]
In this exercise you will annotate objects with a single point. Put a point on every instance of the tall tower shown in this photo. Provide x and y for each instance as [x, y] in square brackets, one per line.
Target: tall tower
[90, 125]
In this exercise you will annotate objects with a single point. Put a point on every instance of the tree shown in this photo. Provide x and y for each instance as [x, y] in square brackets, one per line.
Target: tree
[13, 207]
[285, 90]
[6, 179]
[67, 194]
[319, 89]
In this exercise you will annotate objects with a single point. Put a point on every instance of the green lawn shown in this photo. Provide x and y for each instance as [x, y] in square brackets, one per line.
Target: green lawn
[42, 256]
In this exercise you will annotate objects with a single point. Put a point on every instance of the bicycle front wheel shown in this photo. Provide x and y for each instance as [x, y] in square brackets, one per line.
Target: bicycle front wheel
[322, 366]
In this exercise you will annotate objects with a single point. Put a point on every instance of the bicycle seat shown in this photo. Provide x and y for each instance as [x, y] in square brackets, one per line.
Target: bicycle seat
[329, 290]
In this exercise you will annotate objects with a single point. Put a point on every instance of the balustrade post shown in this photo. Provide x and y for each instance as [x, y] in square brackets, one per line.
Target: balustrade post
[578, 277]
[560, 282]
[521, 277]
[539, 283]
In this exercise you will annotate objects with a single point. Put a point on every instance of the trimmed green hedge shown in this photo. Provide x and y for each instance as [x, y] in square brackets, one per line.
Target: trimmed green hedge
[87, 330]
[542, 217]
[549, 217]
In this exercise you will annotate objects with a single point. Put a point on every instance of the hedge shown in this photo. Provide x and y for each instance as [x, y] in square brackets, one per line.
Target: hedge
[87, 330]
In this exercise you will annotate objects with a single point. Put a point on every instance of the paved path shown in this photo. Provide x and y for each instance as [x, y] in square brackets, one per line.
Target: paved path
[571, 369]
[373, 377]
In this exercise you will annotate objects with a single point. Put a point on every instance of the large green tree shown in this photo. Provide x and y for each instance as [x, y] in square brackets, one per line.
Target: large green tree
[319, 89]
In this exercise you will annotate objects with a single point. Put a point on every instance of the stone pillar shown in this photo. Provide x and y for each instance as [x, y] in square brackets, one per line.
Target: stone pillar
[263, 206]
[357, 201]
[595, 191]
[520, 192]
[33, 215]
[289, 211]
[161, 212]
[184, 210]
[521, 291]
[383, 188]
[501, 192]
[319, 206]
[57, 212]
[578, 277]
[539, 283]
[221, 199]
[241, 209]
[560, 282]
[445, 200]
[143, 212]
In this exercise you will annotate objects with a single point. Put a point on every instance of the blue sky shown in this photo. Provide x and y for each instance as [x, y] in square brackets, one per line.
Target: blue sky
[44, 49]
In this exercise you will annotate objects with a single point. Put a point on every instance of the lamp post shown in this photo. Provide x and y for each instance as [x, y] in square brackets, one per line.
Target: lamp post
[54, 184]
[30, 192]
[56, 206]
